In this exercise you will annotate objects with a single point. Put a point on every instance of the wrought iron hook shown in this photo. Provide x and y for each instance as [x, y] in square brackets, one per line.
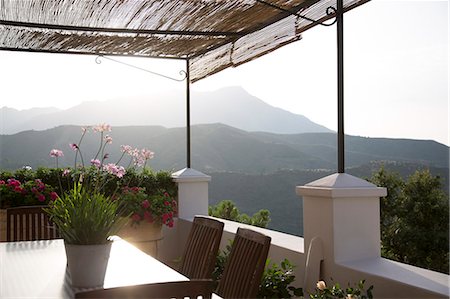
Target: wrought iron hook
[330, 11]
[182, 73]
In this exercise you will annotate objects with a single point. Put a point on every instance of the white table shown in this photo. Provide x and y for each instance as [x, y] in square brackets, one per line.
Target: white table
[37, 269]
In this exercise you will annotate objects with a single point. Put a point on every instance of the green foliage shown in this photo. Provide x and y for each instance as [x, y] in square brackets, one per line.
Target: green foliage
[28, 192]
[226, 209]
[336, 291]
[221, 261]
[155, 183]
[414, 220]
[277, 280]
[85, 218]
[159, 208]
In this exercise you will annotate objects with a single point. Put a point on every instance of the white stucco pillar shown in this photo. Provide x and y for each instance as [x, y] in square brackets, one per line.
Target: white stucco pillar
[192, 192]
[344, 212]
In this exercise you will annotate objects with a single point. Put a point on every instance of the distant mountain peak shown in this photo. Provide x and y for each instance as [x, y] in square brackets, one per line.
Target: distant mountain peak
[232, 106]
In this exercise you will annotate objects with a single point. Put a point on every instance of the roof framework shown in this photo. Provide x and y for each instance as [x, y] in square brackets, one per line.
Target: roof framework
[211, 34]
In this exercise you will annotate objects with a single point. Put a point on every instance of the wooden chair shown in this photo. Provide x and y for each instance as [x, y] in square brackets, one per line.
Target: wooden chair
[201, 249]
[29, 223]
[245, 266]
[175, 289]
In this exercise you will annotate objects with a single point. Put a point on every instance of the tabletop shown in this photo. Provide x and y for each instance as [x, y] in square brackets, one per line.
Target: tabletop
[37, 269]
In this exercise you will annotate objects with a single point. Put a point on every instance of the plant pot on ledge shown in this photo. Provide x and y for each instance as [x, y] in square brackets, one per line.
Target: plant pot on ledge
[145, 235]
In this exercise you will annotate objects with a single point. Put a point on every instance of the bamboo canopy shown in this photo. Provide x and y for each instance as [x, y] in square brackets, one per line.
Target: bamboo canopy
[211, 34]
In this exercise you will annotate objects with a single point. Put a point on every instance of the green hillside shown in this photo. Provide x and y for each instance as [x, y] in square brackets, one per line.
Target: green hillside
[217, 148]
[255, 170]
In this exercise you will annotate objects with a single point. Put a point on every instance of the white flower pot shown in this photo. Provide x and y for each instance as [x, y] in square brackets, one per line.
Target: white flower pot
[87, 264]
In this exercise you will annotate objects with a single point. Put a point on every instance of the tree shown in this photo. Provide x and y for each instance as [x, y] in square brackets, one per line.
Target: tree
[226, 209]
[414, 219]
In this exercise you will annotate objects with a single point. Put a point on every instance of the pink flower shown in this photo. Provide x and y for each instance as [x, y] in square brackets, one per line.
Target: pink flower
[2, 182]
[96, 163]
[136, 217]
[56, 153]
[66, 172]
[53, 196]
[108, 139]
[165, 217]
[18, 189]
[126, 149]
[145, 204]
[102, 128]
[84, 129]
[147, 154]
[114, 169]
[170, 224]
[13, 182]
[40, 197]
[74, 146]
[166, 203]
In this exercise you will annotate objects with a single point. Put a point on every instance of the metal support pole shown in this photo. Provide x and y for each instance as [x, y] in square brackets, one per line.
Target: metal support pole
[340, 77]
[188, 116]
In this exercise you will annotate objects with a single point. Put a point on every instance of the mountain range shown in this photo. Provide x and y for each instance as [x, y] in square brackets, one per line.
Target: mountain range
[256, 170]
[218, 148]
[232, 106]
[255, 153]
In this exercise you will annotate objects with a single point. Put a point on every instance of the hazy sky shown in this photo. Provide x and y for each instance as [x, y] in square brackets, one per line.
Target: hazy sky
[396, 74]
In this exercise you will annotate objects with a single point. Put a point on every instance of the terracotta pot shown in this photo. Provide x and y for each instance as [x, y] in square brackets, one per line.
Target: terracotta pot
[145, 236]
[87, 264]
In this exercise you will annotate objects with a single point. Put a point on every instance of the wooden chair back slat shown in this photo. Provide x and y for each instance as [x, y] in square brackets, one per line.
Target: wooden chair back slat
[245, 266]
[201, 248]
[29, 223]
[177, 289]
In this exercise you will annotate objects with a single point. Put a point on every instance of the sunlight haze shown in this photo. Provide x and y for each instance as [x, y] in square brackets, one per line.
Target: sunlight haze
[396, 74]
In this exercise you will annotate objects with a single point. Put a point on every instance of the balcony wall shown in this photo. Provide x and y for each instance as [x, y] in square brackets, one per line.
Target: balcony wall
[348, 252]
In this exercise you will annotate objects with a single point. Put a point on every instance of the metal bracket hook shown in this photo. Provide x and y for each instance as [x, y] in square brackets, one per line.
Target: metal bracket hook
[182, 73]
[330, 11]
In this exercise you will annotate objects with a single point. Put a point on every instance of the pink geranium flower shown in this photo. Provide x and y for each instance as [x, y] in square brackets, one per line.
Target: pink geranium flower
[136, 217]
[53, 196]
[145, 204]
[40, 197]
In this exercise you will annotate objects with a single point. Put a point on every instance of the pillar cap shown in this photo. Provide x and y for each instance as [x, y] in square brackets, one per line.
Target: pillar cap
[190, 175]
[341, 185]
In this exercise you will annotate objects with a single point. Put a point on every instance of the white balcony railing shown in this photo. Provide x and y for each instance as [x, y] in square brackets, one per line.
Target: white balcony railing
[341, 221]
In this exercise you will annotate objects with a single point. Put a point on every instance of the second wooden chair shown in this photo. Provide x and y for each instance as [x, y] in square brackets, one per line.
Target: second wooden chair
[245, 266]
[201, 248]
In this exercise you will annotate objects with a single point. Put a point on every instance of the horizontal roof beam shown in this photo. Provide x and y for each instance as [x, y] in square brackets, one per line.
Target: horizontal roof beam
[118, 30]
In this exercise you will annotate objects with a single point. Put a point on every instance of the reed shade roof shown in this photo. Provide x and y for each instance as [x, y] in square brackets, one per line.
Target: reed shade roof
[212, 34]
